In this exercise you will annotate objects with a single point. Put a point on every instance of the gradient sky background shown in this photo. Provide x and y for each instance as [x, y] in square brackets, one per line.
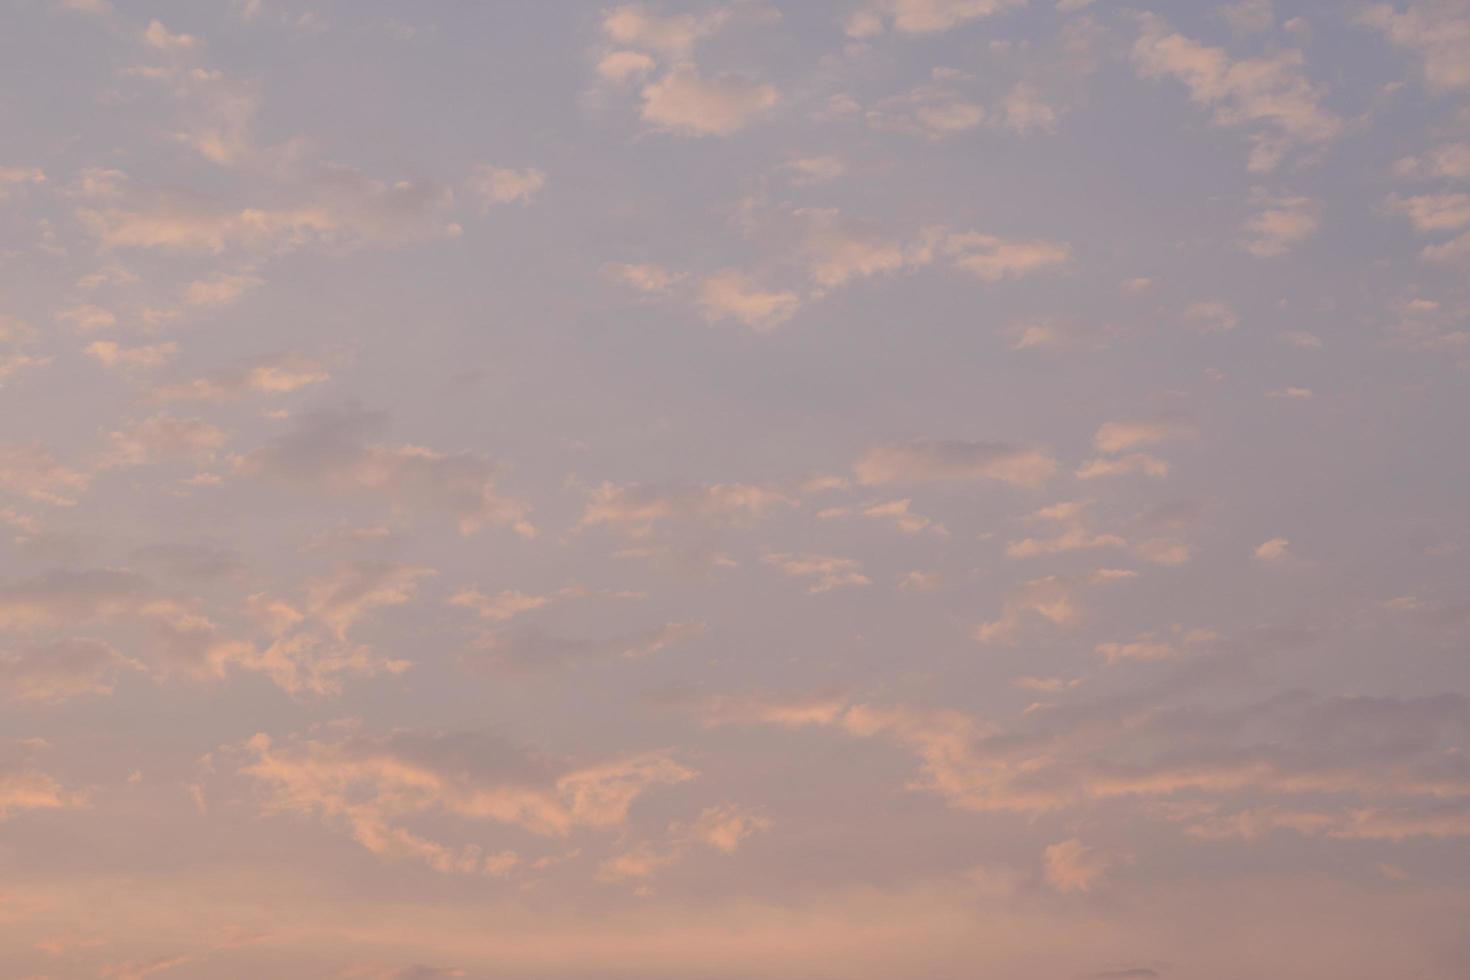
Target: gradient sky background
[878, 490]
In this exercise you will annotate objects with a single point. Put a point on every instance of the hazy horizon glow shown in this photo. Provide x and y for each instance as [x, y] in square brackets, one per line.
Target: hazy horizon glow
[882, 489]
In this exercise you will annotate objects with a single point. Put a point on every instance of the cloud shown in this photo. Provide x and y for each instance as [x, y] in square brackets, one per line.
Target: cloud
[1448, 160]
[147, 357]
[941, 461]
[162, 438]
[1434, 30]
[636, 510]
[1071, 866]
[1434, 212]
[815, 170]
[684, 102]
[992, 259]
[330, 452]
[25, 788]
[621, 66]
[1123, 466]
[33, 472]
[1117, 437]
[1069, 530]
[352, 589]
[895, 511]
[495, 185]
[922, 16]
[1274, 551]
[825, 571]
[532, 650]
[370, 785]
[673, 35]
[732, 295]
[1283, 223]
[726, 827]
[1211, 316]
[1050, 599]
[265, 374]
[499, 608]
[1271, 96]
[337, 207]
[159, 37]
[58, 670]
[1379, 761]
[644, 277]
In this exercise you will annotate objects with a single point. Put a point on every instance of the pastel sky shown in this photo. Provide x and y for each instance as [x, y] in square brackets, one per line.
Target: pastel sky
[868, 490]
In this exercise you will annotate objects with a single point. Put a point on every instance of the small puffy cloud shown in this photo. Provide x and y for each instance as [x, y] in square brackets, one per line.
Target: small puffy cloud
[146, 357]
[621, 66]
[31, 471]
[952, 460]
[1211, 316]
[333, 452]
[1273, 552]
[87, 318]
[732, 295]
[155, 35]
[1434, 212]
[352, 589]
[922, 16]
[1022, 109]
[333, 207]
[992, 259]
[1071, 866]
[504, 606]
[161, 438]
[643, 276]
[24, 788]
[1292, 393]
[58, 670]
[1437, 32]
[899, 513]
[1054, 334]
[1271, 96]
[634, 25]
[1050, 599]
[499, 185]
[813, 170]
[1300, 339]
[1448, 160]
[683, 101]
[369, 786]
[635, 510]
[1067, 528]
[267, 374]
[825, 572]
[1281, 224]
[532, 650]
[1139, 463]
[19, 178]
[219, 291]
[1117, 437]
[725, 828]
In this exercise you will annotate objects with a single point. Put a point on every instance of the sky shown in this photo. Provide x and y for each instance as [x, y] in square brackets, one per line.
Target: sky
[860, 490]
